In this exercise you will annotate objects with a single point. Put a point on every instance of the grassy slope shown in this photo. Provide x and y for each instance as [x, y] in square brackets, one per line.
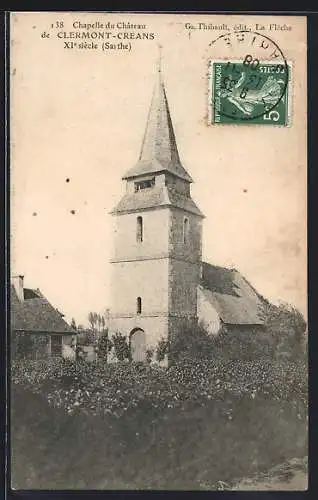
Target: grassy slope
[192, 449]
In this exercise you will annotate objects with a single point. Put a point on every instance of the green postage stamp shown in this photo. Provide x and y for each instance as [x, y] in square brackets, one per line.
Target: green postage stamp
[249, 92]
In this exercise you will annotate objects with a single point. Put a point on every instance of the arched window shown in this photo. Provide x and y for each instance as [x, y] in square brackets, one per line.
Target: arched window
[185, 230]
[138, 305]
[139, 232]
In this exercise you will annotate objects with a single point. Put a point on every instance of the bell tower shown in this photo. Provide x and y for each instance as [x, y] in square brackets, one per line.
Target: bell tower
[157, 239]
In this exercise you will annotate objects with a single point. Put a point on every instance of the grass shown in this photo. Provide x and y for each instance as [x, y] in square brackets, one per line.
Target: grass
[192, 447]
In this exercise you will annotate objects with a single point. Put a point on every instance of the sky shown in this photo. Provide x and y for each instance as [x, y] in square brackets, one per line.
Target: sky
[77, 122]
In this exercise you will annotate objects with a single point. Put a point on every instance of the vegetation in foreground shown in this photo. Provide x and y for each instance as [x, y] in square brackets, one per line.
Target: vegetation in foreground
[81, 425]
[225, 409]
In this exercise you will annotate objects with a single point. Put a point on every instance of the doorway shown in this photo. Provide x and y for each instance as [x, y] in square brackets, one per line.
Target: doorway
[138, 344]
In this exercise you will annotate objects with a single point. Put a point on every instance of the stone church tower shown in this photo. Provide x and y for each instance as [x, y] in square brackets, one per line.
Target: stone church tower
[156, 262]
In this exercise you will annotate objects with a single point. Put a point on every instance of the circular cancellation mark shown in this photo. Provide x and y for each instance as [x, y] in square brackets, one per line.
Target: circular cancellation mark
[250, 80]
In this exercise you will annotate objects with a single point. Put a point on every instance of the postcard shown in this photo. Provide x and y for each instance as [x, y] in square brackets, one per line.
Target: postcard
[158, 190]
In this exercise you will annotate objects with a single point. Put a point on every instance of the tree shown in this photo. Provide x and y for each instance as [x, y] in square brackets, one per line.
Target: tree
[103, 323]
[190, 340]
[121, 347]
[287, 327]
[99, 322]
[92, 318]
[162, 349]
[104, 346]
[73, 324]
[246, 343]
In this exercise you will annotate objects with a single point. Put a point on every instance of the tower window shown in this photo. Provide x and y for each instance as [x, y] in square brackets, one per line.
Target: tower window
[139, 232]
[138, 305]
[149, 183]
[185, 230]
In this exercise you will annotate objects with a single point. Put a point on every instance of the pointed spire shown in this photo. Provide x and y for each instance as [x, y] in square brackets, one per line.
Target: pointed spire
[159, 150]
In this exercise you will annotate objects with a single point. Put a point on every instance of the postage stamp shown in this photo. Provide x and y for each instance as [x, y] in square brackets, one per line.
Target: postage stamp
[251, 85]
[246, 93]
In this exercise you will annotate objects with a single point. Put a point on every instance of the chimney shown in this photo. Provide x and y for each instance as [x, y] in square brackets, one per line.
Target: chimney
[17, 282]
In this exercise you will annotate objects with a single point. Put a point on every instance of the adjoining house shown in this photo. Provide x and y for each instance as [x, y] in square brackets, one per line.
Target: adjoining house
[158, 278]
[38, 329]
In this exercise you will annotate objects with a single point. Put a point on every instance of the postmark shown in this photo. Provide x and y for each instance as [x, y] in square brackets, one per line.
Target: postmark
[250, 83]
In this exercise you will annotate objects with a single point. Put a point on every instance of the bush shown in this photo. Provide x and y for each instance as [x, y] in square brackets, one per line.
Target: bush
[114, 389]
[104, 346]
[281, 336]
[25, 345]
[121, 347]
[162, 350]
[196, 425]
[86, 337]
[286, 327]
[149, 355]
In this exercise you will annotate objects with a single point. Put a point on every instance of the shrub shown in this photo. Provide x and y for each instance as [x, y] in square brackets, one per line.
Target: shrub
[25, 345]
[149, 355]
[104, 346]
[121, 347]
[162, 350]
[191, 449]
[116, 388]
[245, 343]
[190, 341]
[197, 422]
[286, 326]
[86, 337]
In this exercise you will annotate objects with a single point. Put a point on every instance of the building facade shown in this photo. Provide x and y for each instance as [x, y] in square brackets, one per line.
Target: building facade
[159, 281]
[38, 330]
[158, 239]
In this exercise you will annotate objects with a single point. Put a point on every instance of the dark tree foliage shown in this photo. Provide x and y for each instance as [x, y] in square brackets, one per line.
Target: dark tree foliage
[282, 335]
[121, 347]
[104, 346]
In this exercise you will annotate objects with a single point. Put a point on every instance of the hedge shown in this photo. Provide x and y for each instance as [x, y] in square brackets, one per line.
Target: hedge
[113, 389]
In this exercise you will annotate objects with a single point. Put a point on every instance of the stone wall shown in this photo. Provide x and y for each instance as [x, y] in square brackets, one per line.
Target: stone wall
[155, 235]
[192, 249]
[155, 327]
[147, 279]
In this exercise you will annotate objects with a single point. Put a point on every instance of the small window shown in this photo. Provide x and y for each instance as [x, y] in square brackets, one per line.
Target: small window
[138, 305]
[139, 233]
[149, 183]
[185, 230]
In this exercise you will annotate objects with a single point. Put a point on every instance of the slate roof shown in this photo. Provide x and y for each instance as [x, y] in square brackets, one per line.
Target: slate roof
[36, 314]
[235, 300]
[159, 150]
[155, 197]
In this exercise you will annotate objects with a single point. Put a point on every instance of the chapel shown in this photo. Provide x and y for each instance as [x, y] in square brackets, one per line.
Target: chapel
[159, 281]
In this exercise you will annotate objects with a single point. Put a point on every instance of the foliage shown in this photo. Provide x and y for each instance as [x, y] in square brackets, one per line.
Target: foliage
[115, 388]
[162, 350]
[121, 347]
[286, 326]
[25, 345]
[86, 337]
[104, 346]
[149, 355]
[190, 341]
[283, 335]
[73, 324]
[243, 343]
[252, 415]
[97, 321]
[192, 449]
